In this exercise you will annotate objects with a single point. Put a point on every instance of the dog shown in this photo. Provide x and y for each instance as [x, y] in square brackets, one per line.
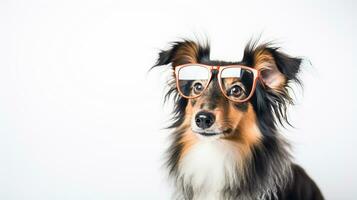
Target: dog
[225, 142]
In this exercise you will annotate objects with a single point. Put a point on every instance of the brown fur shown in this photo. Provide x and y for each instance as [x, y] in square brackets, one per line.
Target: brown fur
[264, 62]
[187, 53]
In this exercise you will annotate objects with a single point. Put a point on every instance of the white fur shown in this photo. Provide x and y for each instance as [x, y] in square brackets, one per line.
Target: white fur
[209, 166]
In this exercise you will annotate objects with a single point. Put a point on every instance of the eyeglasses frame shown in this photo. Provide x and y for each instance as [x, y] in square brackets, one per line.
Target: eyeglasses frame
[211, 68]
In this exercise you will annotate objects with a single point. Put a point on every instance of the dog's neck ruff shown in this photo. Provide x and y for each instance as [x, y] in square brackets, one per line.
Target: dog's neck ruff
[215, 170]
[208, 167]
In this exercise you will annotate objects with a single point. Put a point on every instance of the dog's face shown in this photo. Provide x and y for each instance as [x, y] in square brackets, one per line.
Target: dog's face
[212, 114]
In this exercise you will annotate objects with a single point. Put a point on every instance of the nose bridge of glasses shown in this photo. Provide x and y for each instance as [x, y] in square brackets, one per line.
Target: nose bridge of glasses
[216, 67]
[214, 71]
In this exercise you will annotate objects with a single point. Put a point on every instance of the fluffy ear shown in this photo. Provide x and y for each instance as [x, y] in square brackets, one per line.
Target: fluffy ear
[183, 52]
[276, 68]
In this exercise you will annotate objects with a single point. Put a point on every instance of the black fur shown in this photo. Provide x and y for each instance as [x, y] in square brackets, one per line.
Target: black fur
[272, 157]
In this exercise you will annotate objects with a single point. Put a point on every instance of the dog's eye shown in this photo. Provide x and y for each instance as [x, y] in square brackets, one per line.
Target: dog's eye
[235, 91]
[197, 87]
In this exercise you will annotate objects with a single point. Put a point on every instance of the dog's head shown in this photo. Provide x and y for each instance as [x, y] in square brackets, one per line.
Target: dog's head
[212, 114]
[235, 112]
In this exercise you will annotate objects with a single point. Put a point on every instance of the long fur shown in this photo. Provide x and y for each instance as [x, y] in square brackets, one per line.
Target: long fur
[269, 172]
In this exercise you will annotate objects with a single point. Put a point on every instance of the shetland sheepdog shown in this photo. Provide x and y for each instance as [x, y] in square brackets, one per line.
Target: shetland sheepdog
[225, 142]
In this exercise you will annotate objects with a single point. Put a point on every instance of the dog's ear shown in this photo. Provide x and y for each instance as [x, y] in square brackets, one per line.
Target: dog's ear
[276, 68]
[183, 52]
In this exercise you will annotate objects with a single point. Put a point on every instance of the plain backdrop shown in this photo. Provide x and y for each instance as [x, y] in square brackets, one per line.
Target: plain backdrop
[82, 118]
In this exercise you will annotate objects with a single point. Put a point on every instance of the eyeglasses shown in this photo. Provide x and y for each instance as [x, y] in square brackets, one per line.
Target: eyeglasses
[236, 82]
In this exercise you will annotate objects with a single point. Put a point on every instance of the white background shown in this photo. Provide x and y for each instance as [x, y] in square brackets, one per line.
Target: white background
[81, 117]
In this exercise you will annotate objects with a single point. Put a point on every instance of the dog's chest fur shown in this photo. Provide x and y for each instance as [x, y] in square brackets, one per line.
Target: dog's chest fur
[208, 167]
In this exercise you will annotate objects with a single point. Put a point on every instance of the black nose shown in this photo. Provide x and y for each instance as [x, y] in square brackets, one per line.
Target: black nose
[204, 119]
